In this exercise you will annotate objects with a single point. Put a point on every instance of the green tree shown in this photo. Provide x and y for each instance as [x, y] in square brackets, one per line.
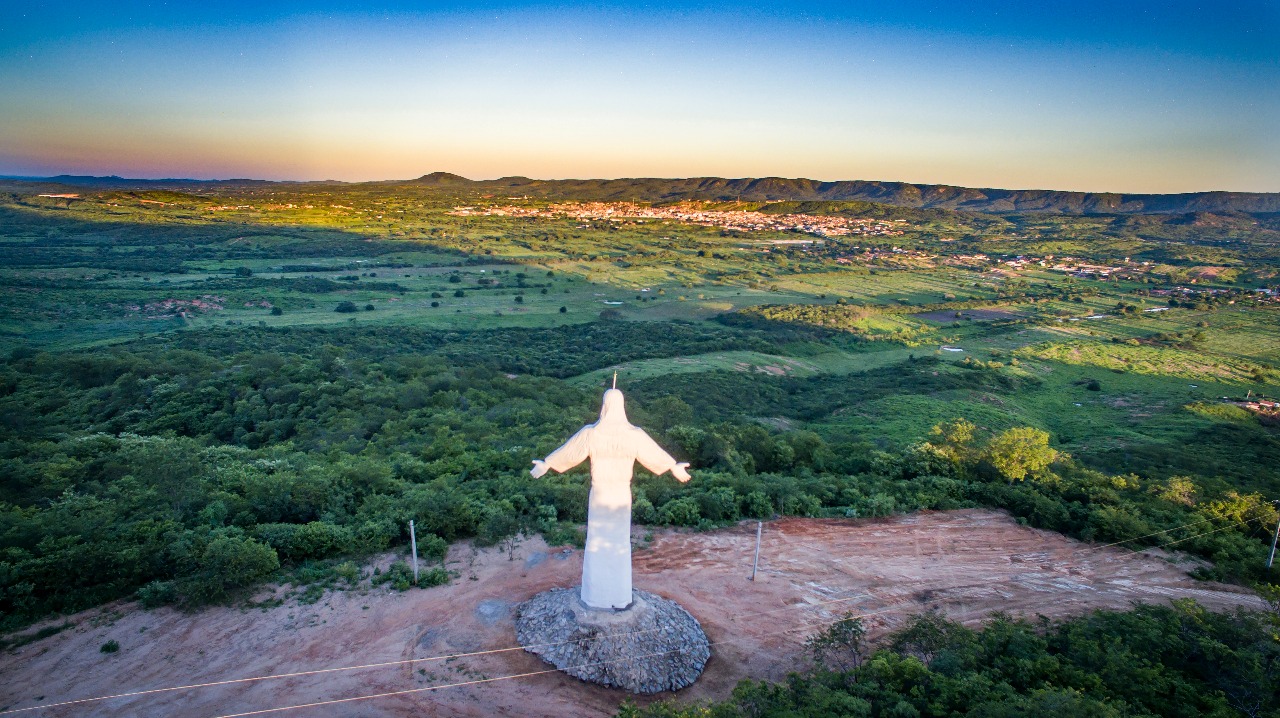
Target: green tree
[1020, 452]
[955, 439]
[839, 646]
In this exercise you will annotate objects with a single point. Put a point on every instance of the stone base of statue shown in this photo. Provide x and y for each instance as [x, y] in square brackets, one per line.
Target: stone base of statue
[653, 645]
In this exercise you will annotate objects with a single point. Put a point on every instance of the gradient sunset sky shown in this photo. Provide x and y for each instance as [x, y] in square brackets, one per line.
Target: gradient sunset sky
[1087, 95]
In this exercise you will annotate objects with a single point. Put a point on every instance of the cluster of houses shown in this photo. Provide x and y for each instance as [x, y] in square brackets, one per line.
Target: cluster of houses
[1264, 295]
[734, 220]
[1072, 266]
[885, 254]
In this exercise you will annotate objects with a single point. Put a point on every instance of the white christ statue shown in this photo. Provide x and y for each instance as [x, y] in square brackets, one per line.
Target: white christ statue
[613, 445]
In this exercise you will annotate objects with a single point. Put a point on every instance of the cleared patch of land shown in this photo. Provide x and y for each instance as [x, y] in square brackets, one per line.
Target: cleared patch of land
[832, 362]
[966, 563]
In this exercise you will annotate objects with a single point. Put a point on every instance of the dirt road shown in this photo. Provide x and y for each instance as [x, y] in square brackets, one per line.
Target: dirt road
[967, 563]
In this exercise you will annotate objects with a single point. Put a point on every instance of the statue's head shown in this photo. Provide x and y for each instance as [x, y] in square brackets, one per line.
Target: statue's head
[613, 410]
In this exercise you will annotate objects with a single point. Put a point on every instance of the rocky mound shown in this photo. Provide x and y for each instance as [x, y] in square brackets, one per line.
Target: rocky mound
[653, 645]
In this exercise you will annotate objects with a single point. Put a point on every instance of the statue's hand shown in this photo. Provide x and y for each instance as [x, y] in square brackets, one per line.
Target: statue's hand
[539, 468]
[681, 471]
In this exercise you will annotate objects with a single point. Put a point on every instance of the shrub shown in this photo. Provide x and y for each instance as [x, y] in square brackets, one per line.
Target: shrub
[719, 504]
[879, 504]
[801, 504]
[565, 534]
[433, 577]
[757, 505]
[643, 511]
[110, 646]
[345, 307]
[398, 574]
[277, 536]
[158, 593]
[434, 547]
[375, 535]
[319, 539]
[347, 571]
[229, 563]
[681, 512]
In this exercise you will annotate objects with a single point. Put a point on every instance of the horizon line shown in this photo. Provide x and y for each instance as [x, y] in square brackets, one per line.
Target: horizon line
[54, 179]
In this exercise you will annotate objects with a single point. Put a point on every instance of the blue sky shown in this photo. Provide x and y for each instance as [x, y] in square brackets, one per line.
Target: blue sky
[1121, 96]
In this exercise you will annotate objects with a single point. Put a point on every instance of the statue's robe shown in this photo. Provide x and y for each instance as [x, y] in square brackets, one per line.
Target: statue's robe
[613, 445]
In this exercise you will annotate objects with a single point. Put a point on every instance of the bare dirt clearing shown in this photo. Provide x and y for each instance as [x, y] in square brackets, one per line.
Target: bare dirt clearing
[967, 563]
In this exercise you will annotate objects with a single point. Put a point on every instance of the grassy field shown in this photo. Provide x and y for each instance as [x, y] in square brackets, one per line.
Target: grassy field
[115, 267]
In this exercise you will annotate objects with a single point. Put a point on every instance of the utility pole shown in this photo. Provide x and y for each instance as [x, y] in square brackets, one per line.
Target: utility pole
[1271, 559]
[759, 526]
[413, 544]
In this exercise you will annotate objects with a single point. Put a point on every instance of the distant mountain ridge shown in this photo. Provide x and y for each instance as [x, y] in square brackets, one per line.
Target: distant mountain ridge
[902, 194]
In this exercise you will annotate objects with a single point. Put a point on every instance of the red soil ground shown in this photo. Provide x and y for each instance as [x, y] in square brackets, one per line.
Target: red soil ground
[966, 563]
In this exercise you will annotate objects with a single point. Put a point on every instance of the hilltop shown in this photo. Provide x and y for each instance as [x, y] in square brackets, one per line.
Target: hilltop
[720, 189]
[903, 194]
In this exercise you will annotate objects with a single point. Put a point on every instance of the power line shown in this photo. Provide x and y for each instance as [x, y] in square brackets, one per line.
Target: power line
[715, 643]
[296, 674]
[384, 664]
[1206, 533]
[392, 693]
[425, 689]
[398, 693]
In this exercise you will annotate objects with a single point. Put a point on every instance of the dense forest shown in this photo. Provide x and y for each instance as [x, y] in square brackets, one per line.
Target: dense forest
[1164, 661]
[187, 474]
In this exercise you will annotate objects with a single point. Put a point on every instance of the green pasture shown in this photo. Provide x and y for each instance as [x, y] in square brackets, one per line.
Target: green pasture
[774, 365]
[399, 257]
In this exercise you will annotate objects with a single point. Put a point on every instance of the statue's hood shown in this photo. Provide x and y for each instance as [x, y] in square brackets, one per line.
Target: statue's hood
[613, 412]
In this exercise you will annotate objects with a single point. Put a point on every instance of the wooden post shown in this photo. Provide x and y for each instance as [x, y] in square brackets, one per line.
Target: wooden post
[755, 564]
[413, 544]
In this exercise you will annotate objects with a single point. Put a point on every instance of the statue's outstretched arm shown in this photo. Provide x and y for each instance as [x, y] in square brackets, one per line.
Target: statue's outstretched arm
[574, 452]
[656, 460]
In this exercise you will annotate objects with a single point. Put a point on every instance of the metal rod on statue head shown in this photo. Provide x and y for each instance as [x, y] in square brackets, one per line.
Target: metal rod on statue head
[615, 380]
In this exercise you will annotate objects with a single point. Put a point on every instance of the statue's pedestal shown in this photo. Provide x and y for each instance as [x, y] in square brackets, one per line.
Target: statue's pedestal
[652, 645]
